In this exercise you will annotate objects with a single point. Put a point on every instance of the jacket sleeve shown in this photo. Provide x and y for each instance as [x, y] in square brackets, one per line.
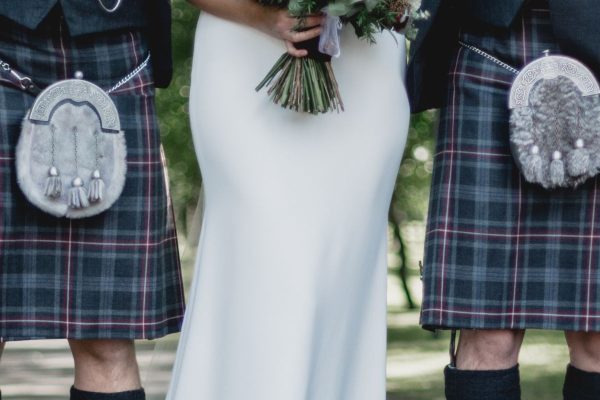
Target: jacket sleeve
[576, 29]
[159, 37]
[430, 56]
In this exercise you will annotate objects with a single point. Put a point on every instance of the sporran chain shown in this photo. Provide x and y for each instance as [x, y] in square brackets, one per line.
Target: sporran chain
[489, 57]
[27, 84]
[131, 75]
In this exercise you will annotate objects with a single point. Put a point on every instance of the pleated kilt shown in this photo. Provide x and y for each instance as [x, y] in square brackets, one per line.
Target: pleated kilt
[501, 253]
[115, 275]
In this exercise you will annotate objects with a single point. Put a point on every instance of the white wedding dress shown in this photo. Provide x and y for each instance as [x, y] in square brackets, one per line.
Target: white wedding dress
[288, 301]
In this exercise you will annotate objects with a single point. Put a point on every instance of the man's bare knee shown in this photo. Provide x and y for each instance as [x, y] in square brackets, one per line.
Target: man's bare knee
[584, 350]
[105, 365]
[489, 349]
[103, 351]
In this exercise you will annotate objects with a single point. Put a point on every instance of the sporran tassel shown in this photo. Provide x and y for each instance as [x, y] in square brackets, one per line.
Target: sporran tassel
[53, 184]
[78, 197]
[557, 169]
[533, 168]
[578, 160]
[96, 193]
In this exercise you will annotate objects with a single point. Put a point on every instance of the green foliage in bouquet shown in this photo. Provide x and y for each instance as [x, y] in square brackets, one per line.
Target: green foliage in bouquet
[308, 84]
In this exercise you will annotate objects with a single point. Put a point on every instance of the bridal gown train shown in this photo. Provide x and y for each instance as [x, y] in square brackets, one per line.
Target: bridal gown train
[288, 300]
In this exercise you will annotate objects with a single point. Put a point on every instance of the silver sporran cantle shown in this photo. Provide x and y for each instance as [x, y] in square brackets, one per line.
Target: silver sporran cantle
[71, 154]
[555, 122]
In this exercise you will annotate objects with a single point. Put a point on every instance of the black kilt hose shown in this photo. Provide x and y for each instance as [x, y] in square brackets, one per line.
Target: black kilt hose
[115, 275]
[501, 253]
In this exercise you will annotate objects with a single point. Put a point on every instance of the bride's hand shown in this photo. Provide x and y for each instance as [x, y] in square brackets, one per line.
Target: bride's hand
[278, 23]
[271, 20]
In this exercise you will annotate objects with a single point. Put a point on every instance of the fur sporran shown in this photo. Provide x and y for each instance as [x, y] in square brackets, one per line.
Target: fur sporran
[71, 154]
[555, 122]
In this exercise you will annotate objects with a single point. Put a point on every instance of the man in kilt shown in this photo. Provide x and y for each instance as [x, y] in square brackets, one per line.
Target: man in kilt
[503, 255]
[103, 281]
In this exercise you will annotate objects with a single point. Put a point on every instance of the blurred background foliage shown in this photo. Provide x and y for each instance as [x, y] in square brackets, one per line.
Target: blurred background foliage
[409, 204]
[173, 114]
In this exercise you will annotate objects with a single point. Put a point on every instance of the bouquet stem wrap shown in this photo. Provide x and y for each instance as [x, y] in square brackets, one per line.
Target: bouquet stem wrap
[304, 84]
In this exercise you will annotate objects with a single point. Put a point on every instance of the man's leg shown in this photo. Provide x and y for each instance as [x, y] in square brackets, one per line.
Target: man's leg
[582, 381]
[486, 366]
[105, 369]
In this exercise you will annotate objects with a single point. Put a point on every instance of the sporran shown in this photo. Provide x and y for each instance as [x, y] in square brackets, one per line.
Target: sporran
[555, 122]
[71, 154]
[554, 107]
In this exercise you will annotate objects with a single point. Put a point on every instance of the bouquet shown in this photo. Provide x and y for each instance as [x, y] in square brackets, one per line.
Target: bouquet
[308, 84]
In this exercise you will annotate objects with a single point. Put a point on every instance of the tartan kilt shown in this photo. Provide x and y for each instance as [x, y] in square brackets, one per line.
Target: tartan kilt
[114, 275]
[501, 253]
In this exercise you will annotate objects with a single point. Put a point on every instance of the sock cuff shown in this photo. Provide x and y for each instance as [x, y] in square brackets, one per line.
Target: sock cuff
[77, 394]
[476, 385]
[469, 375]
[581, 384]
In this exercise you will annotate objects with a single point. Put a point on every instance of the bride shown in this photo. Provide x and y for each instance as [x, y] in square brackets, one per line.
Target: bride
[288, 300]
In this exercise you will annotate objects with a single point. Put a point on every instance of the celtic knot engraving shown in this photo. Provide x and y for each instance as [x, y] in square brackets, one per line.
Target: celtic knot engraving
[76, 91]
[551, 67]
